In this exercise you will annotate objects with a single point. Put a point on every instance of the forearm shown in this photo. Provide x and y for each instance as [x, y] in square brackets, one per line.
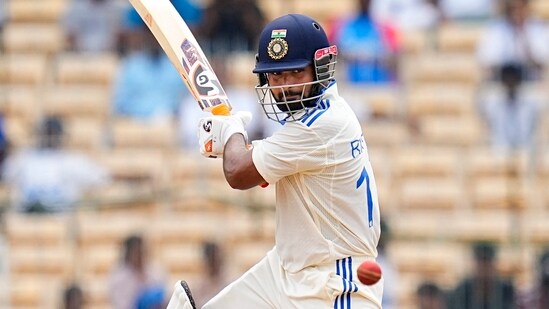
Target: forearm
[238, 166]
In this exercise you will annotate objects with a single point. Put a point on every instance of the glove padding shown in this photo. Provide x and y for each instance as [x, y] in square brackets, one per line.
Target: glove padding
[215, 131]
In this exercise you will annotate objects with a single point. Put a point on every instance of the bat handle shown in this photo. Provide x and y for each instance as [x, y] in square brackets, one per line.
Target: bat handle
[221, 110]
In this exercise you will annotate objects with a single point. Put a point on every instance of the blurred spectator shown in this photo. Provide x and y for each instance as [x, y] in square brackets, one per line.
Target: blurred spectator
[390, 272]
[516, 37]
[147, 86]
[73, 298]
[48, 177]
[430, 296]
[137, 283]
[93, 25]
[537, 297]
[230, 26]
[4, 142]
[3, 15]
[468, 10]
[408, 14]
[368, 48]
[132, 22]
[215, 278]
[511, 112]
[484, 288]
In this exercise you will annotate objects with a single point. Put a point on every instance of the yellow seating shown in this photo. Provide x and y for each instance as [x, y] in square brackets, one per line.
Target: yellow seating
[181, 258]
[435, 99]
[536, 229]
[385, 133]
[414, 41]
[96, 229]
[36, 11]
[134, 164]
[98, 260]
[485, 161]
[496, 192]
[129, 133]
[19, 132]
[41, 38]
[86, 134]
[430, 259]
[247, 254]
[35, 292]
[481, 225]
[324, 10]
[79, 68]
[57, 261]
[23, 68]
[43, 230]
[425, 161]
[459, 131]
[419, 224]
[77, 100]
[187, 228]
[458, 37]
[540, 8]
[432, 67]
[430, 193]
[380, 101]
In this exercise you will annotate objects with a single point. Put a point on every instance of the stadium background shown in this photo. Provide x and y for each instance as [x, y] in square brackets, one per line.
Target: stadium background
[440, 186]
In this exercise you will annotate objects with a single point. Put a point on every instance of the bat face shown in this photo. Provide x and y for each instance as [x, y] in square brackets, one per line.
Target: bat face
[178, 42]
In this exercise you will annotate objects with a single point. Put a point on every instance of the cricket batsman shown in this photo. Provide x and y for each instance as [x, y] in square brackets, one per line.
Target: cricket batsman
[327, 212]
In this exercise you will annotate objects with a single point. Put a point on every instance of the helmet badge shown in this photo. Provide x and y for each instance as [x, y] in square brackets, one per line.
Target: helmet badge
[278, 47]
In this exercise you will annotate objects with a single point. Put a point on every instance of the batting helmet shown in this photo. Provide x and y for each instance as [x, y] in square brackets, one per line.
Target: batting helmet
[293, 42]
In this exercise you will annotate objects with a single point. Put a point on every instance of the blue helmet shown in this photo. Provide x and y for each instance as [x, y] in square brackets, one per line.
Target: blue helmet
[288, 43]
[292, 42]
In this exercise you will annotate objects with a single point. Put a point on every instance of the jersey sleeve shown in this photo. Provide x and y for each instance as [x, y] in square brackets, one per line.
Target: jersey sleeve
[293, 149]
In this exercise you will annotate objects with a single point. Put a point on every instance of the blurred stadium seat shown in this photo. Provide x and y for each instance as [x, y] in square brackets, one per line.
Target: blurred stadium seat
[462, 131]
[440, 99]
[434, 67]
[130, 133]
[31, 11]
[459, 37]
[76, 101]
[430, 193]
[90, 69]
[23, 69]
[39, 38]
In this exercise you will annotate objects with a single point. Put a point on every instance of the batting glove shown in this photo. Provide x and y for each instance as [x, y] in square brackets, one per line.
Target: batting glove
[215, 131]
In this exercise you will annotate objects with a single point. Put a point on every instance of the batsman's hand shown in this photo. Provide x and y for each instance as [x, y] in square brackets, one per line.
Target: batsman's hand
[215, 131]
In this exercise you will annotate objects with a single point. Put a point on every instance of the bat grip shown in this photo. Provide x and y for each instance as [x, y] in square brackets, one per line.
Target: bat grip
[221, 110]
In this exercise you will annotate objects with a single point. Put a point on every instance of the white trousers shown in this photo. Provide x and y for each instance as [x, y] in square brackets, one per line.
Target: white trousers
[267, 285]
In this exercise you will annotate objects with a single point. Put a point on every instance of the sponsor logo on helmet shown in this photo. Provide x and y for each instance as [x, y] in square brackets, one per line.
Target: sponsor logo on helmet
[321, 53]
[278, 48]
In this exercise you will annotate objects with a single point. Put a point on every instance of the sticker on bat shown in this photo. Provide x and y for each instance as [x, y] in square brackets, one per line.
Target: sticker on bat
[190, 53]
[206, 82]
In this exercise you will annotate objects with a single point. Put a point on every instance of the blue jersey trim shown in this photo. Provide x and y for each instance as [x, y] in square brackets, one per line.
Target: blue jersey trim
[316, 112]
[344, 268]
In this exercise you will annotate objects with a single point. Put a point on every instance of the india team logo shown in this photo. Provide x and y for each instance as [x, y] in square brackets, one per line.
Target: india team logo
[278, 47]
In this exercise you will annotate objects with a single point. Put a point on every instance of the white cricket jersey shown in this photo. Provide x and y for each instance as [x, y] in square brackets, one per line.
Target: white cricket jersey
[326, 199]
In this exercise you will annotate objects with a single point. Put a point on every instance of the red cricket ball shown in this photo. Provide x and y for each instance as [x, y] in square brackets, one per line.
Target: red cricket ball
[369, 272]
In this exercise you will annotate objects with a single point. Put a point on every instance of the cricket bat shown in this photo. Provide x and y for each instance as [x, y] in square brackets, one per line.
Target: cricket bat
[183, 50]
